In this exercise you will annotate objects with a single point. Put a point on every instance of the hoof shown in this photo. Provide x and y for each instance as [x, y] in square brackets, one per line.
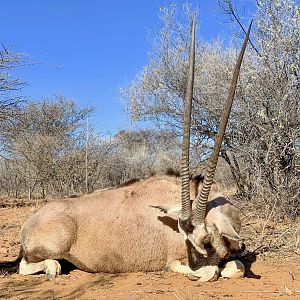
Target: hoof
[52, 268]
[233, 269]
[205, 274]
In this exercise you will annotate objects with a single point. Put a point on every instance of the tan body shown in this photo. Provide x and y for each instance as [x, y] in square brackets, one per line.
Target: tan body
[114, 230]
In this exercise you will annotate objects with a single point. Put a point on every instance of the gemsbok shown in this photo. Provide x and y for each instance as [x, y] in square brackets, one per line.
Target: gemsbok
[141, 227]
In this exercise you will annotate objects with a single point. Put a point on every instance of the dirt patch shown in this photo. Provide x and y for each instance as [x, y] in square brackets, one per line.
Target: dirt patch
[274, 274]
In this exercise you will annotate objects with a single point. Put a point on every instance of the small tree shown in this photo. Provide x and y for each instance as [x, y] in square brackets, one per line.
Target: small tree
[266, 136]
[40, 138]
[9, 84]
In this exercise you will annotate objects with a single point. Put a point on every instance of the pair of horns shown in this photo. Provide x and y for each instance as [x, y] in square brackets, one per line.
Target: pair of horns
[201, 200]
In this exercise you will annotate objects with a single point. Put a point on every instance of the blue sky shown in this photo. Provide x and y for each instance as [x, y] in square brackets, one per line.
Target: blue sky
[87, 50]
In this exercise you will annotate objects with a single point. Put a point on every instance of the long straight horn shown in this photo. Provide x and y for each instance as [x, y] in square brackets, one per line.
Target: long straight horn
[212, 164]
[185, 160]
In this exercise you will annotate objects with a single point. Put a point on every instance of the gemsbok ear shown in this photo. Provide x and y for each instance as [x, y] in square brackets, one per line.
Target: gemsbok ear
[168, 215]
[225, 228]
[171, 210]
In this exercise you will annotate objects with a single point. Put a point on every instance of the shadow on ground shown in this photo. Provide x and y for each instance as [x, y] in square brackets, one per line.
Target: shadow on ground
[248, 260]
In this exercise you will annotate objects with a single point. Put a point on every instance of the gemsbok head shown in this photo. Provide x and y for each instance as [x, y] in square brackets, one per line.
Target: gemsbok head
[196, 225]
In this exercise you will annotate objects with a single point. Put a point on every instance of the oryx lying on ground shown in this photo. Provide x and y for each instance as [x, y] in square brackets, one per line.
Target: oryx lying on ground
[118, 230]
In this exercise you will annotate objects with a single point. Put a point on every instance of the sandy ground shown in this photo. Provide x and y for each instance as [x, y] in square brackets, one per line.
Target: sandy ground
[269, 277]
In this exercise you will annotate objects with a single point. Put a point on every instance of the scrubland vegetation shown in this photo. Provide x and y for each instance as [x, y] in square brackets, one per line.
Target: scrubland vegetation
[48, 148]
